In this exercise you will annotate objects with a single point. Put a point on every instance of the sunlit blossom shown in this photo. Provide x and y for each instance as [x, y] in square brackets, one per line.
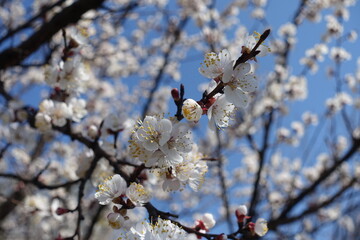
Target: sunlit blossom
[138, 194]
[111, 188]
[214, 64]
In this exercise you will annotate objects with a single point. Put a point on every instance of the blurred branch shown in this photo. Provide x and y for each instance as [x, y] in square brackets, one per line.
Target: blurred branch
[34, 181]
[94, 220]
[316, 207]
[296, 21]
[261, 154]
[224, 193]
[15, 55]
[18, 195]
[312, 187]
[83, 181]
[28, 22]
[3, 93]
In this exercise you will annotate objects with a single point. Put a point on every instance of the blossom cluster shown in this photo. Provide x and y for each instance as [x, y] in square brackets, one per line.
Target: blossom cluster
[57, 113]
[67, 79]
[165, 146]
[236, 82]
[56, 150]
[113, 191]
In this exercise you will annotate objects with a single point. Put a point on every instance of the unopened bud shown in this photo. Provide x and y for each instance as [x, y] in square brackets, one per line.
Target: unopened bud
[93, 131]
[115, 220]
[240, 213]
[191, 110]
[61, 211]
[175, 94]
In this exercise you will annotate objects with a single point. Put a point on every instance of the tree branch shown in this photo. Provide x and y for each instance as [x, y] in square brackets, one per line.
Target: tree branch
[15, 55]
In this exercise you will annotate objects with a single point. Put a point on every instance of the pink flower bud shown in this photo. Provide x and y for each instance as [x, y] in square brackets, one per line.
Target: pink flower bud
[61, 211]
[240, 213]
[175, 94]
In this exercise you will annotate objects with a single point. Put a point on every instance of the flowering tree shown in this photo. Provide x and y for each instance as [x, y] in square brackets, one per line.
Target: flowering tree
[108, 132]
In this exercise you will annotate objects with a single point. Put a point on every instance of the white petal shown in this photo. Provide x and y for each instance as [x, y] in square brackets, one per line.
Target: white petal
[242, 69]
[263, 51]
[119, 184]
[209, 73]
[171, 185]
[103, 198]
[151, 145]
[228, 73]
[172, 157]
[141, 134]
[236, 96]
[164, 138]
[164, 125]
[212, 86]
[248, 83]
[150, 120]
[225, 58]
[250, 42]
[151, 162]
[212, 125]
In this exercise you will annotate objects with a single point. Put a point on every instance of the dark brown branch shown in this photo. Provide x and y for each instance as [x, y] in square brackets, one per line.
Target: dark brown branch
[10, 204]
[155, 213]
[37, 183]
[14, 56]
[247, 56]
[28, 23]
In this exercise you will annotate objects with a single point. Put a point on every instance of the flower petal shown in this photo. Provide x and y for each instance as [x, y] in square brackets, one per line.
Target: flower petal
[242, 69]
[248, 83]
[236, 96]
[228, 73]
[225, 58]
[151, 145]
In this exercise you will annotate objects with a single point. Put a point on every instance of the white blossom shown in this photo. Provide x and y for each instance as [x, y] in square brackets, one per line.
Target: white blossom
[157, 141]
[78, 109]
[115, 123]
[250, 43]
[191, 110]
[287, 30]
[238, 82]
[111, 188]
[70, 76]
[43, 121]
[214, 64]
[220, 113]
[208, 220]
[115, 220]
[191, 171]
[138, 194]
[339, 54]
[162, 230]
[261, 227]
[241, 212]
